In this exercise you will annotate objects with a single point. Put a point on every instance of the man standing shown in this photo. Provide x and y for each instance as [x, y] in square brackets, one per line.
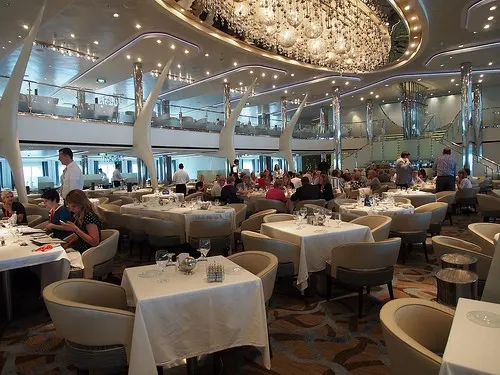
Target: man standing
[72, 177]
[403, 170]
[180, 179]
[117, 178]
[445, 168]
[104, 176]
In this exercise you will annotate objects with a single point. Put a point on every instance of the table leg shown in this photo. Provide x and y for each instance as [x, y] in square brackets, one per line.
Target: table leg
[6, 291]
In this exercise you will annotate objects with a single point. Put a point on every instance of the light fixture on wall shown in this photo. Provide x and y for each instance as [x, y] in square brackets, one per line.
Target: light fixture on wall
[65, 51]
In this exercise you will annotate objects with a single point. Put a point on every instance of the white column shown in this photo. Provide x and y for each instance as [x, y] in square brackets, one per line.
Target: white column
[9, 138]
[466, 117]
[337, 129]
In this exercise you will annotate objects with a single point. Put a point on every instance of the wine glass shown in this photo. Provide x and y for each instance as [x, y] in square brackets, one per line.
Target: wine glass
[303, 212]
[298, 219]
[216, 202]
[161, 257]
[203, 248]
[170, 260]
[338, 219]
[328, 216]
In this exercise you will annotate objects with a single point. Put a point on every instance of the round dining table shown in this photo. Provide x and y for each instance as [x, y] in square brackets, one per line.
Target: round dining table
[384, 209]
[418, 198]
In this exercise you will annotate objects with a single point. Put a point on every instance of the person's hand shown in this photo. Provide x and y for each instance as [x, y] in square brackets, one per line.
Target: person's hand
[49, 226]
[69, 226]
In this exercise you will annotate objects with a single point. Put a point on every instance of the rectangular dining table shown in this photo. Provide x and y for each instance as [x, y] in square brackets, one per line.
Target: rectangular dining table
[315, 242]
[472, 349]
[187, 316]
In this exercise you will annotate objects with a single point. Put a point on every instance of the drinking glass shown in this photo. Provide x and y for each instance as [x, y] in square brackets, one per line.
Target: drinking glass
[298, 219]
[203, 248]
[216, 202]
[316, 212]
[338, 219]
[162, 258]
[328, 216]
[171, 262]
[303, 212]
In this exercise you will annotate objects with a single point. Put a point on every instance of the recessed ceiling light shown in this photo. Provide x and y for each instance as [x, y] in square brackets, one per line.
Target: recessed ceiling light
[493, 7]
[419, 79]
[490, 18]
[128, 57]
[371, 92]
[159, 65]
[186, 51]
[413, 18]
[432, 93]
[3, 47]
[490, 63]
[96, 42]
[413, 45]
[275, 76]
[452, 80]
[449, 92]
[286, 91]
[480, 81]
[19, 36]
[347, 83]
[206, 55]
[207, 73]
[116, 15]
[362, 98]
[442, 65]
[326, 94]
[415, 28]
[179, 66]
[241, 83]
[72, 35]
[456, 84]
[172, 46]
[293, 74]
[274, 86]
[387, 24]
[251, 71]
[451, 57]
[487, 26]
[263, 74]
[158, 41]
[26, 27]
[407, 7]
[481, 76]
[225, 80]
[386, 85]
[475, 32]
[9, 41]
[101, 80]
[333, 82]
[138, 26]
[235, 63]
[383, 101]
[461, 45]
[139, 59]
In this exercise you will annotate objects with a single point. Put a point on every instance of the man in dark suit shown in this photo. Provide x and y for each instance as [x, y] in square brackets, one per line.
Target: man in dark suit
[306, 191]
[228, 192]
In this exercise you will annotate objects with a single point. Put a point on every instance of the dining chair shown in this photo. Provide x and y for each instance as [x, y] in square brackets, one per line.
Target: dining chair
[491, 292]
[162, 234]
[451, 245]
[98, 260]
[117, 202]
[415, 330]
[253, 223]
[467, 197]
[136, 232]
[421, 199]
[438, 210]
[317, 202]
[412, 229]
[363, 264]
[103, 200]
[447, 197]
[266, 204]
[219, 233]
[32, 209]
[483, 235]
[126, 200]
[379, 225]
[241, 212]
[401, 200]
[286, 252]
[340, 201]
[273, 218]
[489, 207]
[93, 319]
[34, 220]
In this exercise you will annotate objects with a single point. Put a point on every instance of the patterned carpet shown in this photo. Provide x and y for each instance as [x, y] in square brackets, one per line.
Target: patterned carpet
[308, 334]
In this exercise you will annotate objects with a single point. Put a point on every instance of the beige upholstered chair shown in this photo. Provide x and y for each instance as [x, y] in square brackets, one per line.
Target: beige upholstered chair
[450, 245]
[117, 202]
[312, 207]
[261, 264]
[483, 234]
[353, 194]
[94, 320]
[241, 212]
[32, 209]
[381, 191]
[266, 204]
[347, 217]
[34, 220]
[420, 200]
[447, 197]
[103, 200]
[286, 252]
[363, 264]
[219, 233]
[136, 231]
[491, 292]
[412, 229]
[489, 206]
[467, 197]
[125, 200]
[414, 330]
[340, 201]
[317, 202]
[193, 197]
[379, 225]
[162, 234]
[278, 217]
[253, 223]
[98, 260]
[438, 210]
[402, 200]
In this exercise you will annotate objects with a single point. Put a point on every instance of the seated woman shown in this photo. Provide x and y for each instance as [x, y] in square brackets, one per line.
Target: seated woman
[356, 182]
[422, 174]
[10, 207]
[373, 181]
[415, 179]
[287, 182]
[198, 187]
[87, 226]
[463, 181]
[325, 187]
[57, 213]
[277, 193]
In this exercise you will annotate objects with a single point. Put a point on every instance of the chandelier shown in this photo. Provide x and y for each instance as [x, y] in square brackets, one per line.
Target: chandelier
[343, 35]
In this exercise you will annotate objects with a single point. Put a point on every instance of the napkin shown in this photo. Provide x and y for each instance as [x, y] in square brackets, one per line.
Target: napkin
[44, 248]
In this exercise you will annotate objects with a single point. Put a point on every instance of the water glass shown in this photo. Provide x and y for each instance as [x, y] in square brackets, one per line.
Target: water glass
[216, 202]
[338, 219]
[328, 216]
[203, 248]
[162, 260]
[303, 212]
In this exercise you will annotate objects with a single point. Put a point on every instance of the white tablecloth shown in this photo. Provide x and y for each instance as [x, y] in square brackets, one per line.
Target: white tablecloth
[418, 198]
[148, 197]
[132, 193]
[99, 192]
[316, 243]
[496, 193]
[472, 349]
[181, 215]
[385, 210]
[187, 316]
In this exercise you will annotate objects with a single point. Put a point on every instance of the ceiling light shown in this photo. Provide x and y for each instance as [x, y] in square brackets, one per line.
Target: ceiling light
[452, 80]
[487, 26]
[481, 76]
[206, 55]
[158, 41]
[490, 63]
[376, 96]
[96, 42]
[225, 80]
[128, 57]
[461, 45]
[442, 65]
[72, 35]
[415, 37]
[493, 7]
[19, 36]
[292, 75]
[456, 84]
[413, 45]
[186, 51]
[451, 57]
[172, 46]
[490, 18]
[419, 79]
[241, 83]
[116, 15]
[159, 65]
[235, 63]
[362, 98]
[333, 82]
[383, 101]
[139, 59]
[475, 32]
[387, 24]
[413, 18]
[9, 41]
[326, 94]
[101, 80]
[407, 7]
[432, 94]
[251, 71]
[25, 27]
[407, 53]
[480, 81]
[371, 92]
[415, 28]
[138, 26]
[286, 91]
[207, 73]
[347, 83]
[386, 85]
[263, 74]
[274, 86]
[449, 92]
[179, 66]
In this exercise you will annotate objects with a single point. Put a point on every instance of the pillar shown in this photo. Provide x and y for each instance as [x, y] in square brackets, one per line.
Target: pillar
[467, 126]
[283, 112]
[165, 108]
[266, 117]
[323, 121]
[168, 167]
[336, 127]
[138, 88]
[80, 103]
[369, 120]
[478, 117]
[227, 102]
[85, 164]
[412, 108]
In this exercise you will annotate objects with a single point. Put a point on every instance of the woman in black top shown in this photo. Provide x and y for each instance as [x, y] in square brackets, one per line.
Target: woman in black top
[87, 226]
[10, 207]
[325, 187]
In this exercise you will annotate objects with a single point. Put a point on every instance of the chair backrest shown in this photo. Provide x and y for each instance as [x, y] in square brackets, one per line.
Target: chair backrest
[418, 222]
[34, 220]
[100, 310]
[278, 217]
[32, 209]
[438, 210]
[491, 292]
[126, 200]
[317, 202]
[210, 229]
[402, 200]
[133, 222]
[117, 202]
[379, 225]
[466, 194]
[286, 252]
[420, 200]
[261, 264]
[110, 207]
[483, 234]
[266, 204]
[254, 222]
[241, 212]
[103, 200]
[381, 191]
[105, 251]
[366, 255]
[312, 207]
[488, 203]
[161, 228]
[340, 201]
[446, 196]
[414, 330]
[193, 196]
